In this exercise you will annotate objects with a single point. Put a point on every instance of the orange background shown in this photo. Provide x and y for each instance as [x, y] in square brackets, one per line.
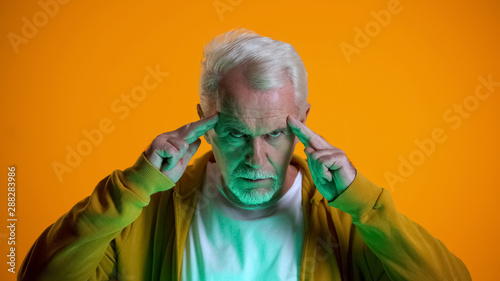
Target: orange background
[393, 92]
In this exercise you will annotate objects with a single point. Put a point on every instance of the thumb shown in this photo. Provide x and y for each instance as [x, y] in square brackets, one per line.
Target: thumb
[193, 147]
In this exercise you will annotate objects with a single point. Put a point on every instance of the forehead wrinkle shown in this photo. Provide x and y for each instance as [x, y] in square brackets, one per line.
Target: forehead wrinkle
[253, 117]
[254, 113]
[235, 122]
[232, 106]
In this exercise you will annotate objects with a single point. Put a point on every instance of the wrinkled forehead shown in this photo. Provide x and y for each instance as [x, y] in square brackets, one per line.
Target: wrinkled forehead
[240, 105]
[251, 124]
[254, 118]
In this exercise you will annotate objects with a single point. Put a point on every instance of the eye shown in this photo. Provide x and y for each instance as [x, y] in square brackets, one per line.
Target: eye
[235, 134]
[275, 134]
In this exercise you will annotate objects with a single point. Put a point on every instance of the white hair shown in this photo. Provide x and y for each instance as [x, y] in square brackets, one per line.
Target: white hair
[267, 64]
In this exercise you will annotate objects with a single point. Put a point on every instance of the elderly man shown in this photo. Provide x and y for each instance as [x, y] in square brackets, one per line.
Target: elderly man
[247, 210]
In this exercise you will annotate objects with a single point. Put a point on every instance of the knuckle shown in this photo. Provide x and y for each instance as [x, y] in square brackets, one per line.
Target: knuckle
[184, 145]
[157, 143]
[166, 134]
[179, 143]
[341, 153]
[316, 156]
[165, 137]
[172, 148]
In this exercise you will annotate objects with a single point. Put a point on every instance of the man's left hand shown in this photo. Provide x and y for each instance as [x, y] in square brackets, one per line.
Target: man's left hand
[331, 170]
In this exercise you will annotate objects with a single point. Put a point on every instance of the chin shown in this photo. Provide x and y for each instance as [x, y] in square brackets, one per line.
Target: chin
[254, 196]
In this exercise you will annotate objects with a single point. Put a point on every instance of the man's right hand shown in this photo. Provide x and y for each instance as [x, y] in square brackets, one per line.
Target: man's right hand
[170, 152]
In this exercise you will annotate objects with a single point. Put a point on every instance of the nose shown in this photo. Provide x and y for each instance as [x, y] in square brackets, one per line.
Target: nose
[256, 155]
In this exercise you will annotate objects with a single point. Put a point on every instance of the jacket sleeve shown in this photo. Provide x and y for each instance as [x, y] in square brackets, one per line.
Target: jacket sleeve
[81, 244]
[395, 248]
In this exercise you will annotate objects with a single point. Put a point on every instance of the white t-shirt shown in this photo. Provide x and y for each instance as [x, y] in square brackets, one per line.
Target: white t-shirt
[226, 242]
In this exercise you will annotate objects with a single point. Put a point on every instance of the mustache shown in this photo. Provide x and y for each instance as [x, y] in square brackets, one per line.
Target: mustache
[254, 174]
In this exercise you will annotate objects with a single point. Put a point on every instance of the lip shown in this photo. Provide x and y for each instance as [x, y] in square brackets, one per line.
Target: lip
[257, 180]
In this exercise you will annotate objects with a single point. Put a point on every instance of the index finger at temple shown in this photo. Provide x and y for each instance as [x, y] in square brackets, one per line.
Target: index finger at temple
[200, 127]
[305, 135]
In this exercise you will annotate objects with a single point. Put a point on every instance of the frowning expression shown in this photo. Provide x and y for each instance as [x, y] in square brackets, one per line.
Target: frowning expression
[252, 143]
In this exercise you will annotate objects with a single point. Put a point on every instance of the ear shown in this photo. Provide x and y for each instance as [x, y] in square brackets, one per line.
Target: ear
[306, 113]
[201, 115]
[200, 112]
[303, 119]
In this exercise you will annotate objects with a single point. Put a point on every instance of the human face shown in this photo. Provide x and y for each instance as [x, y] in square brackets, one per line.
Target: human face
[252, 143]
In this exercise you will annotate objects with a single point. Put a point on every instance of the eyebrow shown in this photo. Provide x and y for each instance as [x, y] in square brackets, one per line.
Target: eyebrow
[236, 126]
[281, 129]
[230, 124]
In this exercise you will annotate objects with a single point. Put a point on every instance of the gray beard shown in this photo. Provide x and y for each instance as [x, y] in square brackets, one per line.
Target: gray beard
[252, 197]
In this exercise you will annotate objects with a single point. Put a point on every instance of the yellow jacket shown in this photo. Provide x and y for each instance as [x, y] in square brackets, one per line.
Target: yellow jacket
[127, 230]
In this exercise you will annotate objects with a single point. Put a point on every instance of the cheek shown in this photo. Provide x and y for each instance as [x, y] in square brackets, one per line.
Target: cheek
[225, 153]
[287, 145]
[282, 152]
